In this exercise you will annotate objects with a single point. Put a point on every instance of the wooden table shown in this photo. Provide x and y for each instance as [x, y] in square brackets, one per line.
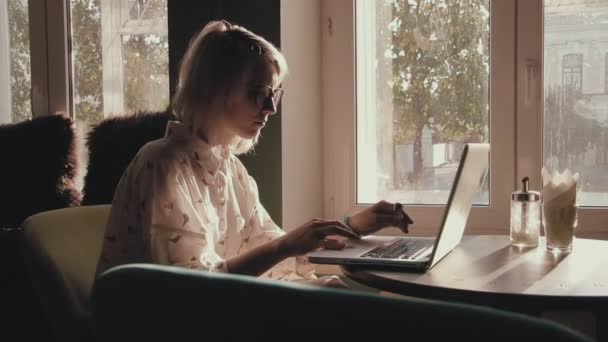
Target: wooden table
[487, 270]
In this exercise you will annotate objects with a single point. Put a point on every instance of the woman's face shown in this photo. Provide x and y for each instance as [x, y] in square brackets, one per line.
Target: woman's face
[248, 107]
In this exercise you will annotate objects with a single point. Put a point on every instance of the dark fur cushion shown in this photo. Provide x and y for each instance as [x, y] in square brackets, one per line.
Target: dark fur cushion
[38, 169]
[112, 145]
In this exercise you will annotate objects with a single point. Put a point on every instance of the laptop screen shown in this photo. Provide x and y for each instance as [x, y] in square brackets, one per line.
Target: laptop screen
[469, 180]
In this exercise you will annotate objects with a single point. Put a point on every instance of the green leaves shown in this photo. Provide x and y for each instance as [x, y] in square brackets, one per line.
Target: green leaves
[19, 35]
[440, 54]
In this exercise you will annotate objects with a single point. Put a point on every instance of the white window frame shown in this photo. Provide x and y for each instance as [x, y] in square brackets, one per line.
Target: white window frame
[606, 73]
[5, 66]
[516, 86]
[591, 220]
[339, 103]
[49, 57]
[116, 22]
[50, 54]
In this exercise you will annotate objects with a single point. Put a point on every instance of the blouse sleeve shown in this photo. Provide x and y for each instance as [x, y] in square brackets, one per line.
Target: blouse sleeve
[181, 232]
[262, 229]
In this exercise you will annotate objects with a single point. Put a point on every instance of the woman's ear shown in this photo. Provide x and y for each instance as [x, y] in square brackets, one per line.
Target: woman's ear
[224, 101]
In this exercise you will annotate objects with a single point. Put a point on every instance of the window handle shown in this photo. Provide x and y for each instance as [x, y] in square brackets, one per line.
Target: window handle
[531, 80]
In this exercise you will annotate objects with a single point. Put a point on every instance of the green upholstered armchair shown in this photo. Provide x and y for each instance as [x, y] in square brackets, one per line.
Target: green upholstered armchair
[61, 251]
[141, 302]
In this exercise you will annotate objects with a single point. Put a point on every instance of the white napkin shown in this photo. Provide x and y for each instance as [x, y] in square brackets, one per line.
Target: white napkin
[559, 188]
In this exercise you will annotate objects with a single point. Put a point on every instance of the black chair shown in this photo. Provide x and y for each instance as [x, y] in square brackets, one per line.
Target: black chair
[38, 173]
[39, 166]
[161, 303]
[112, 144]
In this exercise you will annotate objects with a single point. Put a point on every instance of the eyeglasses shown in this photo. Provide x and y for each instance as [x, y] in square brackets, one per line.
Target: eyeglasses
[262, 94]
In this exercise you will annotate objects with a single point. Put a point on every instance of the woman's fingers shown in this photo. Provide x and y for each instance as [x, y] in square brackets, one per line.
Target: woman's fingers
[401, 221]
[384, 220]
[404, 228]
[408, 219]
[341, 230]
[384, 207]
[395, 209]
[332, 244]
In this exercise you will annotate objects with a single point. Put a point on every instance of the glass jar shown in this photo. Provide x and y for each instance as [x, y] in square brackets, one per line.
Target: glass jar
[525, 217]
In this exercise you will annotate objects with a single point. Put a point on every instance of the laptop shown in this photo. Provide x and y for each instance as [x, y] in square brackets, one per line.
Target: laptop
[420, 253]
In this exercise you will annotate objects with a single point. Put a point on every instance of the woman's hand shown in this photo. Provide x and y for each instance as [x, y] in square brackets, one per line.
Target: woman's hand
[313, 235]
[380, 215]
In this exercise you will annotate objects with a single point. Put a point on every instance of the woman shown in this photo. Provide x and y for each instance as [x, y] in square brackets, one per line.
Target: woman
[187, 200]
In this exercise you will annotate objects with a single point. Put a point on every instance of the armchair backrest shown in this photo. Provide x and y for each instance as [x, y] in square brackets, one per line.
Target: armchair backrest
[39, 167]
[112, 144]
[155, 303]
[61, 251]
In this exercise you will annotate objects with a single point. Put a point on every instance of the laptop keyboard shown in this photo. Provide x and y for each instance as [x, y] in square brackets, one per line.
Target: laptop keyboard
[399, 249]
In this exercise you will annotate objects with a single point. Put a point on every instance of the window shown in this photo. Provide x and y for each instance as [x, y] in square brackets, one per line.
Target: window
[575, 118]
[428, 65]
[423, 89]
[119, 58]
[572, 71]
[408, 82]
[87, 58]
[90, 58]
[15, 79]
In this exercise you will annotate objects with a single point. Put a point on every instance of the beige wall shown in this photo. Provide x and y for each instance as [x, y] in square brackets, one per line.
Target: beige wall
[301, 112]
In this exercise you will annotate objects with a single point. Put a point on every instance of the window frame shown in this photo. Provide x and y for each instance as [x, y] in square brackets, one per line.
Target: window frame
[516, 80]
[530, 27]
[50, 36]
[606, 73]
[5, 66]
[49, 47]
[339, 103]
[568, 72]
[117, 22]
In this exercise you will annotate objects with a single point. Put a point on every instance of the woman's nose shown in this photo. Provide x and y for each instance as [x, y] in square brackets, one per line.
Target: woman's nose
[269, 107]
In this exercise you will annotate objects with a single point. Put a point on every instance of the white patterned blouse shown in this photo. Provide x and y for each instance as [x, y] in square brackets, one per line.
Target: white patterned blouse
[181, 202]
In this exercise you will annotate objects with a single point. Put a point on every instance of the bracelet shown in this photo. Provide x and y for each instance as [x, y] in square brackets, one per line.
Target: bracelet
[345, 219]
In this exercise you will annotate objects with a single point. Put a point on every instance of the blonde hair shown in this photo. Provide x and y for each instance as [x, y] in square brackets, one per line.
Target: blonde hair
[215, 63]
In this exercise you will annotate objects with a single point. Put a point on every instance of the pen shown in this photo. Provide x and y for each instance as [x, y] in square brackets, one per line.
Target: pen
[400, 206]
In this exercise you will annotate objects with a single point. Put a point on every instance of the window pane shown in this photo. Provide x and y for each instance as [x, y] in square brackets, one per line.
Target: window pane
[576, 102]
[15, 62]
[147, 9]
[422, 93]
[146, 85]
[87, 84]
[119, 58]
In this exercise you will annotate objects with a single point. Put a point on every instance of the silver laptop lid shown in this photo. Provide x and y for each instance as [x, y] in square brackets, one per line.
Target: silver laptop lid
[469, 179]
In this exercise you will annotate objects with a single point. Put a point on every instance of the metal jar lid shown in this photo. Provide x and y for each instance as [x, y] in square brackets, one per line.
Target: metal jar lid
[524, 195]
[528, 196]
